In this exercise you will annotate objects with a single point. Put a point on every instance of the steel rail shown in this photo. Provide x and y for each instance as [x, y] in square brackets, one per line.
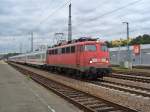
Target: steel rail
[129, 77]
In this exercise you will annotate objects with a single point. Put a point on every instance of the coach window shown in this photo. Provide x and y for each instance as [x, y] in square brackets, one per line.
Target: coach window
[37, 56]
[63, 50]
[90, 48]
[43, 55]
[72, 49]
[67, 49]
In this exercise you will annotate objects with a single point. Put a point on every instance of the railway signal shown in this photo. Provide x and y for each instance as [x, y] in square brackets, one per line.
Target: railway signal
[136, 49]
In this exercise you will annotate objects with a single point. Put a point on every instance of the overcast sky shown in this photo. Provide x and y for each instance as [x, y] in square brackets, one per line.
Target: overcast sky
[96, 18]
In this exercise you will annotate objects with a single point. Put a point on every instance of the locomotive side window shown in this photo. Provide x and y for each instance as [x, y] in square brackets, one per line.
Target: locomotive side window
[104, 48]
[43, 55]
[90, 48]
[67, 49]
[72, 49]
[55, 51]
[63, 50]
[50, 51]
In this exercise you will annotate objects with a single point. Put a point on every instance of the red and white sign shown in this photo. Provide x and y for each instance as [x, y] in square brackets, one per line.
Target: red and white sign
[136, 49]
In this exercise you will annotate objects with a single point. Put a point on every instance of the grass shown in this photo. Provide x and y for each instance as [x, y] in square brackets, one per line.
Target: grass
[121, 69]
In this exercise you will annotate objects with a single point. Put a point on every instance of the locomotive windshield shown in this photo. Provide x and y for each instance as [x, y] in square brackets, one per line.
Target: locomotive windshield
[104, 48]
[90, 48]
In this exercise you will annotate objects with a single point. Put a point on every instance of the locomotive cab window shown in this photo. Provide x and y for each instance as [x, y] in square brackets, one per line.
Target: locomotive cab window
[90, 48]
[104, 48]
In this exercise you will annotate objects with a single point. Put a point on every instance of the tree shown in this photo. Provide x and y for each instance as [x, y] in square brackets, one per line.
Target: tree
[145, 39]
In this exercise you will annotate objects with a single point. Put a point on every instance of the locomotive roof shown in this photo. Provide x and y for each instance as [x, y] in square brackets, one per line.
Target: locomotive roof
[76, 43]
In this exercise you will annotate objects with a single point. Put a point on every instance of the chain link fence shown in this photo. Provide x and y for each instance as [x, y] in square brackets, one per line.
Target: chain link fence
[118, 56]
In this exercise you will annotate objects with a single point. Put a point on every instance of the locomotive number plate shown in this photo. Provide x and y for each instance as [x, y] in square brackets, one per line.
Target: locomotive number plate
[103, 59]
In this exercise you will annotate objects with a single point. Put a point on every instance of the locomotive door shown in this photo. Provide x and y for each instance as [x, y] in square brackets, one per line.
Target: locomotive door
[78, 55]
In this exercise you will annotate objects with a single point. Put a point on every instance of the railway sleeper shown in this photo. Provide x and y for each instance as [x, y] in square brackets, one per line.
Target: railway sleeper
[91, 102]
[104, 109]
[96, 105]
[84, 99]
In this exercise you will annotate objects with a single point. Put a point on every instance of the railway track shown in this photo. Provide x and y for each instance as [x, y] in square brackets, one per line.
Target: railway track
[84, 101]
[124, 87]
[139, 91]
[130, 77]
[142, 74]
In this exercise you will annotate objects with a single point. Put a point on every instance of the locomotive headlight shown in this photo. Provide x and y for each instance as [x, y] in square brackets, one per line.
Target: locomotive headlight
[91, 61]
[107, 60]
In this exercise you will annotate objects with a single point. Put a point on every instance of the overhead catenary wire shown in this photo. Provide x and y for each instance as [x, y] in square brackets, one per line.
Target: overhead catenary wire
[52, 13]
[99, 17]
[133, 30]
[93, 19]
[109, 12]
[115, 10]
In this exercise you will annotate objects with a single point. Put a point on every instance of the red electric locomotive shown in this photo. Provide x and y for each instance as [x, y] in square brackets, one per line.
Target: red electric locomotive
[85, 58]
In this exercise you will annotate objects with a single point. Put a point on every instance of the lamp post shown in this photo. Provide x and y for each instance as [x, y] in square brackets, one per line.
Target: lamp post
[128, 49]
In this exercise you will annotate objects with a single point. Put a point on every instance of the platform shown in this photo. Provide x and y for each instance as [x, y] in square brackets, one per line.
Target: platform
[20, 94]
